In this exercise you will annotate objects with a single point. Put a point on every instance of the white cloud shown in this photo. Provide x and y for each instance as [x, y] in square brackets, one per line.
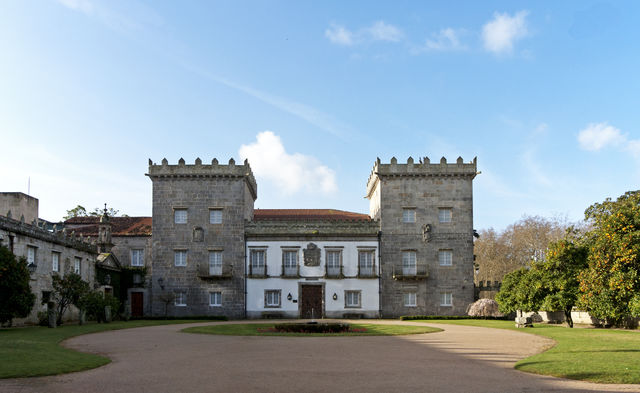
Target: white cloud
[500, 33]
[597, 136]
[339, 35]
[378, 31]
[381, 31]
[84, 6]
[292, 173]
[445, 39]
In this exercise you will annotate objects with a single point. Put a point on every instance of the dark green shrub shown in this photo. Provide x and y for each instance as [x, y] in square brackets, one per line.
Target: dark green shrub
[312, 327]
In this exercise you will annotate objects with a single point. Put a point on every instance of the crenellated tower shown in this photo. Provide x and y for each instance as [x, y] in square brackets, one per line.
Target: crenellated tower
[199, 214]
[425, 212]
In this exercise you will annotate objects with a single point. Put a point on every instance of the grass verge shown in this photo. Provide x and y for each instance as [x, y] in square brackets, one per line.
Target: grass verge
[265, 329]
[594, 355]
[35, 351]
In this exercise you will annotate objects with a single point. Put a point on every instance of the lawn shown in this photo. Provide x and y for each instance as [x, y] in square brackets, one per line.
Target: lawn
[265, 329]
[35, 351]
[595, 355]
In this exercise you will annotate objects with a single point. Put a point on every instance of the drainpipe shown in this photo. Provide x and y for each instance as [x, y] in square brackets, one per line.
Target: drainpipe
[245, 275]
[379, 275]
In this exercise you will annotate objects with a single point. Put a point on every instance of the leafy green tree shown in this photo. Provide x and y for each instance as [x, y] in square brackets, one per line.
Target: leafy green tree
[520, 290]
[67, 291]
[16, 298]
[80, 211]
[611, 285]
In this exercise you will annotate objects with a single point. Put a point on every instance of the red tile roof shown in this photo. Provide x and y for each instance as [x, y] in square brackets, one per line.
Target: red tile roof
[120, 226]
[307, 215]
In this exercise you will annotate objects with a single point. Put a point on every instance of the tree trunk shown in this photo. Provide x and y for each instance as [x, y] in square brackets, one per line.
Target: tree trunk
[567, 315]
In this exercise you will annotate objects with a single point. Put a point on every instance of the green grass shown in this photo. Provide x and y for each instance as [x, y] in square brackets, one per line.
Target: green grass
[258, 329]
[35, 351]
[595, 355]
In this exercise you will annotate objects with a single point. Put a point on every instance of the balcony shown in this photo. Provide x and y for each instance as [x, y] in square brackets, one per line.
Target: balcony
[257, 271]
[334, 272]
[290, 272]
[223, 271]
[367, 271]
[415, 272]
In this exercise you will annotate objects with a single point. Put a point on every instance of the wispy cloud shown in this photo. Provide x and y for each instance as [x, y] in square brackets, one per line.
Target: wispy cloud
[84, 6]
[597, 136]
[445, 40]
[500, 34]
[377, 31]
[291, 173]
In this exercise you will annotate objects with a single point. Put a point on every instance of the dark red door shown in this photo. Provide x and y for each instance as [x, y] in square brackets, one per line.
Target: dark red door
[137, 304]
[311, 302]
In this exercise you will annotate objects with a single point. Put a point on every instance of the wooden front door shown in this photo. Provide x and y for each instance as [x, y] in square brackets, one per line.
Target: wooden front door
[311, 302]
[137, 304]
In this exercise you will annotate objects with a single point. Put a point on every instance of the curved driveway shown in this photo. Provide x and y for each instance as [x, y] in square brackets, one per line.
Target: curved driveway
[161, 359]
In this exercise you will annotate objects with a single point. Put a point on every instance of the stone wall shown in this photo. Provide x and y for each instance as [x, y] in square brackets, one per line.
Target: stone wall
[21, 207]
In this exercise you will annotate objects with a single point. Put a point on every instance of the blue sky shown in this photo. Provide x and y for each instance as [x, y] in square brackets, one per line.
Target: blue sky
[545, 94]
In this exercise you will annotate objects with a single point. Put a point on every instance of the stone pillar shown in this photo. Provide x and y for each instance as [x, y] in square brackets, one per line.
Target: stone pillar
[107, 314]
[82, 317]
[51, 313]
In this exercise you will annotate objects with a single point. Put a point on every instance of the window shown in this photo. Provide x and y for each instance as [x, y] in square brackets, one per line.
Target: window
[365, 263]
[410, 299]
[76, 265]
[180, 216]
[215, 299]
[446, 299]
[181, 299]
[408, 215]
[46, 296]
[444, 214]
[215, 216]
[137, 257]
[352, 299]
[272, 298]
[257, 262]
[215, 263]
[409, 267]
[333, 263]
[55, 261]
[31, 255]
[445, 257]
[137, 279]
[180, 257]
[290, 262]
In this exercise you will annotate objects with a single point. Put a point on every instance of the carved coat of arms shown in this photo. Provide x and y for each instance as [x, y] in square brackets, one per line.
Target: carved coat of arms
[311, 255]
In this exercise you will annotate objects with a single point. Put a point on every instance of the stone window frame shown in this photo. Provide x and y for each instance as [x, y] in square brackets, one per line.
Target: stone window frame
[446, 299]
[211, 216]
[367, 250]
[408, 214]
[339, 251]
[442, 219]
[290, 249]
[271, 303]
[358, 297]
[256, 249]
[176, 252]
[177, 209]
[77, 265]
[140, 259]
[33, 250]
[180, 299]
[212, 299]
[442, 261]
[216, 251]
[406, 252]
[55, 264]
[406, 299]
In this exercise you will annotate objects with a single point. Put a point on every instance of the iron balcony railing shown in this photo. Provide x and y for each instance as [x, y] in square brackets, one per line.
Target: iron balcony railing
[418, 271]
[216, 271]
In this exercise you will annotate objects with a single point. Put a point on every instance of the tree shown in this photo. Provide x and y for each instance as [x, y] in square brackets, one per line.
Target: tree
[520, 291]
[80, 211]
[16, 298]
[67, 291]
[611, 285]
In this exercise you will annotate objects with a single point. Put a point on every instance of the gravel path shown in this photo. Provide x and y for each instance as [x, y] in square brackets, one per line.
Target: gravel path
[161, 359]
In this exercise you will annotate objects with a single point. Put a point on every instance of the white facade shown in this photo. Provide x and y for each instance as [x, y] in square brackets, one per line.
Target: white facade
[350, 289]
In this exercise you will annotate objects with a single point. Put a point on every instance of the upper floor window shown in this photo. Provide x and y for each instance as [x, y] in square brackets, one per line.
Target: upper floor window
[365, 263]
[180, 258]
[444, 214]
[257, 260]
[31, 255]
[409, 263]
[55, 261]
[408, 214]
[215, 216]
[137, 257]
[215, 263]
[352, 299]
[180, 216]
[290, 262]
[77, 265]
[445, 257]
[333, 262]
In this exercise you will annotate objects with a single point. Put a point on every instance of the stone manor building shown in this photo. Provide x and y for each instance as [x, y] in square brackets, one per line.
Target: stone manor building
[212, 253]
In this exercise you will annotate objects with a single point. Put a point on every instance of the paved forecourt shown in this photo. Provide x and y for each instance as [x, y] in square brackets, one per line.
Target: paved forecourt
[161, 359]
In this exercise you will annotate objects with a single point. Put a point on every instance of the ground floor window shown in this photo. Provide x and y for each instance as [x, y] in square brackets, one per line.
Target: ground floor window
[446, 299]
[215, 299]
[181, 299]
[76, 265]
[55, 261]
[352, 299]
[410, 299]
[272, 298]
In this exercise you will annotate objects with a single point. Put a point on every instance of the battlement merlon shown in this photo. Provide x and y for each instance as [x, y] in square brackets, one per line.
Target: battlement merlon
[424, 168]
[182, 170]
